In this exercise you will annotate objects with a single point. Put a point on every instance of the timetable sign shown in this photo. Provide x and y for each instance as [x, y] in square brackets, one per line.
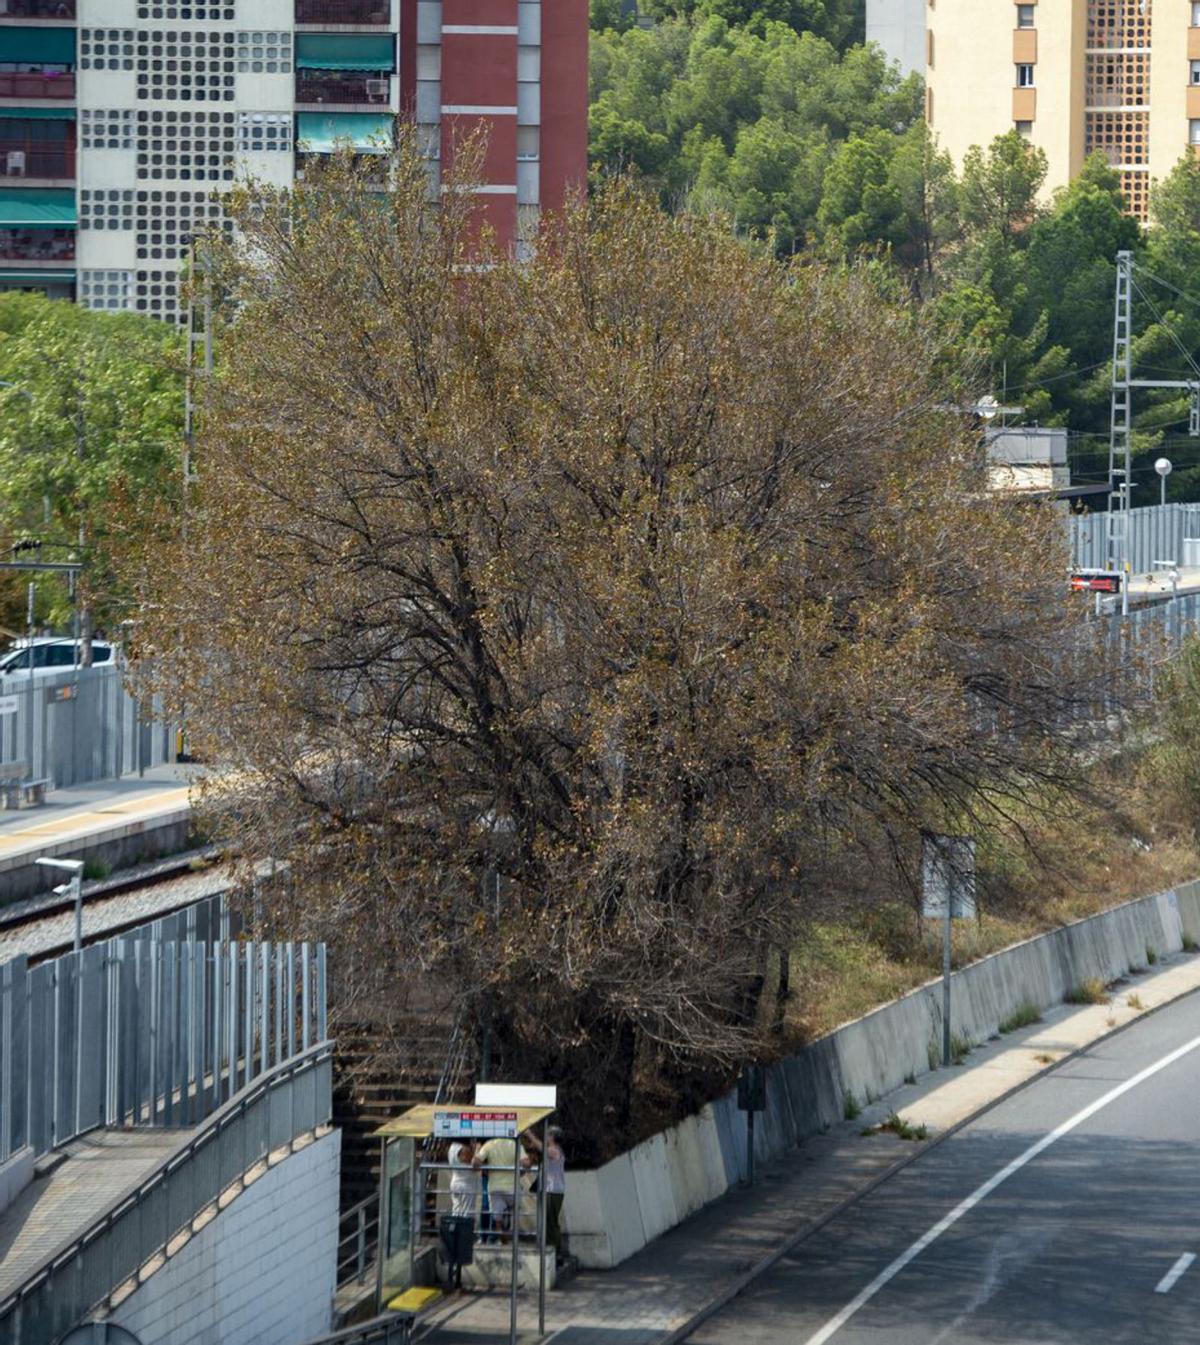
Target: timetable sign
[475, 1125]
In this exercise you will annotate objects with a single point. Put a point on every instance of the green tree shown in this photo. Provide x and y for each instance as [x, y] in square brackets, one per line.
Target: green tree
[89, 437]
[1000, 186]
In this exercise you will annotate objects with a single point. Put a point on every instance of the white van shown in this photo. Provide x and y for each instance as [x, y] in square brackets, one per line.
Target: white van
[52, 654]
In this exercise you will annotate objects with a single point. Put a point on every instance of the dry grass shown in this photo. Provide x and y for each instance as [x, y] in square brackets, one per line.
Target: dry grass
[1088, 859]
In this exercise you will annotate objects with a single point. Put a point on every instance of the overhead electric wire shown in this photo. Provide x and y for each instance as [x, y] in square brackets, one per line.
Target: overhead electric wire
[1183, 350]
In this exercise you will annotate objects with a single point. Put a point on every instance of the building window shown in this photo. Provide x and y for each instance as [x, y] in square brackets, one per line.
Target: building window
[1194, 130]
[1025, 129]
[1025, 77]
[1196, 13]
[1024, 16]
[1194, 71]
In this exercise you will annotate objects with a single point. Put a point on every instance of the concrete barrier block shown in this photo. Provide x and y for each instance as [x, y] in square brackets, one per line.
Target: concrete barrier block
[686, 1166]
[709, 1156]
[583, 1220]
[652, 1180]
[731, 1130]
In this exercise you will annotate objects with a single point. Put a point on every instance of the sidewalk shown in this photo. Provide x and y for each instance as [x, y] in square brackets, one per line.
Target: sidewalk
[650, 1296]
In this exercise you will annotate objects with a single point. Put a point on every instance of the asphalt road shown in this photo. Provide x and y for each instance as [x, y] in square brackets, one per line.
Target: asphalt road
[1059, 1216]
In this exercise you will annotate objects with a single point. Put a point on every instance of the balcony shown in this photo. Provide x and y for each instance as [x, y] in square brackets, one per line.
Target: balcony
[37, 84]
[316, 87]
[35, 148]
[377, 13]
[37, 245]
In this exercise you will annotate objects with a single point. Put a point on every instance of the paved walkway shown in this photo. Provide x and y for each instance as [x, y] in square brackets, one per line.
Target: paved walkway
[653, 1294]
[100, 1167]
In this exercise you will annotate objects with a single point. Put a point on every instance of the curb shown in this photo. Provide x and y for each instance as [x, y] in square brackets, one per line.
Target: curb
[726, 1296]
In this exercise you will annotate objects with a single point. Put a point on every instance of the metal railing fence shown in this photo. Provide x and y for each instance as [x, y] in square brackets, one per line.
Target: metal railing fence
[1156, 533]
[263, 1119]
[148, 1031]
[76, 726]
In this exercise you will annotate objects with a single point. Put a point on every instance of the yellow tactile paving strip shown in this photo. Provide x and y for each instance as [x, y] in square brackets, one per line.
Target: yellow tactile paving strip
[142, 807]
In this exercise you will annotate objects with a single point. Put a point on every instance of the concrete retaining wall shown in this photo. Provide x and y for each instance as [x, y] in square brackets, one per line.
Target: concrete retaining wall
[262, 1270]
[614, 1211]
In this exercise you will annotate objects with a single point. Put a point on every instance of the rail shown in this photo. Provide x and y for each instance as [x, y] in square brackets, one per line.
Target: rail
[356, 1247]
[257, 1127]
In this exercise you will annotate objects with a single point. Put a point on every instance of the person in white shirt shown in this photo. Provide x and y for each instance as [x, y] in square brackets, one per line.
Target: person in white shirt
[464, 1181]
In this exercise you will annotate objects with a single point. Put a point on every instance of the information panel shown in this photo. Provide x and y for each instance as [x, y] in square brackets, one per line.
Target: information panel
[487, 1125]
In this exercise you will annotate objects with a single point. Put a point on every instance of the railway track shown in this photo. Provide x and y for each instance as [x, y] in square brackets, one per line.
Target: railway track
[44, 927]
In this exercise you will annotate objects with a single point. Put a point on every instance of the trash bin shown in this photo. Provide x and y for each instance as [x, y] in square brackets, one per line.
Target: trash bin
[458, 1238]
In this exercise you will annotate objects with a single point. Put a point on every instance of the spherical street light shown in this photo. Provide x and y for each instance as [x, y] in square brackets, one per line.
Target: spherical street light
[1163, 467]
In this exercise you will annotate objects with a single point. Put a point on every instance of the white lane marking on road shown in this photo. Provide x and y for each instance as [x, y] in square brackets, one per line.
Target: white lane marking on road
[1167, 1283]
[926, 1239]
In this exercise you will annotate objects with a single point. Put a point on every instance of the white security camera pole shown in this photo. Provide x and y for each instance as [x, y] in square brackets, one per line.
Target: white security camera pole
[75, 887]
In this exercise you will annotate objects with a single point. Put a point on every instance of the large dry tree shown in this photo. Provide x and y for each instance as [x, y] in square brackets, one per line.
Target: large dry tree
[564, 623]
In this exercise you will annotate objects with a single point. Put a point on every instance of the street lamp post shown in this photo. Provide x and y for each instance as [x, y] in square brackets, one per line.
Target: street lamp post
[74, 888]
[1163, 467]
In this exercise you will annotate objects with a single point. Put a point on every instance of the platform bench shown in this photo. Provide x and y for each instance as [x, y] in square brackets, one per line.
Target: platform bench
[16, 789]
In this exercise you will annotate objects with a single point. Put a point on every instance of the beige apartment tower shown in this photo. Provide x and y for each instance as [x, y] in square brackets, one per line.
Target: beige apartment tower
[1075, 76]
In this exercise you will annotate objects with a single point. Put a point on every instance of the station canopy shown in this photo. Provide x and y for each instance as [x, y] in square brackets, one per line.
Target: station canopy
[323, 132]
[345, 51]
[31, 208]
[37, 46]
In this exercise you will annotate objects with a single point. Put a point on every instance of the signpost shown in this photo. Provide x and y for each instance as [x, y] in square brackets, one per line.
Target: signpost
[751, 1097]
[948, 893]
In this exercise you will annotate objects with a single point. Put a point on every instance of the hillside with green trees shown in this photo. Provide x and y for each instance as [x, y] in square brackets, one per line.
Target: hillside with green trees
[777, 117]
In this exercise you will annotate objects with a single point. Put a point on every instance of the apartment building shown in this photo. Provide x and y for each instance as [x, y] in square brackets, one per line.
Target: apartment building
[1075, 76]
[121, 121]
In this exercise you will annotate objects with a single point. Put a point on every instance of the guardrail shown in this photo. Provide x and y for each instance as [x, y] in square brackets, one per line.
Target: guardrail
[358, 1240]
[255, 1128]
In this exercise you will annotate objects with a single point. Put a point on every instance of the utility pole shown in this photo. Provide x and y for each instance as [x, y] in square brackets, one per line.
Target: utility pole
[1120, 441]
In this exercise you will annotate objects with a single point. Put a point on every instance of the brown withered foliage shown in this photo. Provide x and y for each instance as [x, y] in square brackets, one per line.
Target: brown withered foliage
[565, 623]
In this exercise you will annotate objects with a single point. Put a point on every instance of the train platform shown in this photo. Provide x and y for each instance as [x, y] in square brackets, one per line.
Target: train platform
[110, 823]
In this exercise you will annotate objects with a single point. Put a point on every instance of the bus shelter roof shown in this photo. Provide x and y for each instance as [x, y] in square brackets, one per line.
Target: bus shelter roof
[417, 1122]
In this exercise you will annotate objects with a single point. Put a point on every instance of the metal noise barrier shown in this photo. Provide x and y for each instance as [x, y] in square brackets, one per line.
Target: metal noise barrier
[148, 1031]
[76, 726]
[1157, 532]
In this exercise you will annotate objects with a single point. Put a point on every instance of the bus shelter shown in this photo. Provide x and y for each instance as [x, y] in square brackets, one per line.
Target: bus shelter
[410, 1186]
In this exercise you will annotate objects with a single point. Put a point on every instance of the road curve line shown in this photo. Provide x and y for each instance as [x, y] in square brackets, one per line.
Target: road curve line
[1167, 1283]
[864, 1296]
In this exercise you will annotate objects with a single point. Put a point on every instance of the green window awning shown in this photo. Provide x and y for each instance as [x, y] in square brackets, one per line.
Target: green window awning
[39, 277]
[37, 113]
[323, 132]
[29, 208]
[345, 51]
[38, 46]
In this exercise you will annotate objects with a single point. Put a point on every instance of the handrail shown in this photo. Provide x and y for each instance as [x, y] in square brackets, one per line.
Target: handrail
[205, 1133]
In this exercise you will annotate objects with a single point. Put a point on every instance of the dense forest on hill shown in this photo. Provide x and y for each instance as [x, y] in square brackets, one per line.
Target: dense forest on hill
[777, 116]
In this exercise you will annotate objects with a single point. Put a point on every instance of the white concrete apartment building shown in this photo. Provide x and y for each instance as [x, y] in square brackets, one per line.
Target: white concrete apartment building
[121, 121]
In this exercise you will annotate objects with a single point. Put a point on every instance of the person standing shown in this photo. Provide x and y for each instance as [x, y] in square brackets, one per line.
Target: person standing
[499, 1157]
[556, 1184]
[464, 1181]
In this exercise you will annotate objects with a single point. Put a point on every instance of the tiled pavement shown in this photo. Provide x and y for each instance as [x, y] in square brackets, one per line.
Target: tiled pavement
[101, 1166]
